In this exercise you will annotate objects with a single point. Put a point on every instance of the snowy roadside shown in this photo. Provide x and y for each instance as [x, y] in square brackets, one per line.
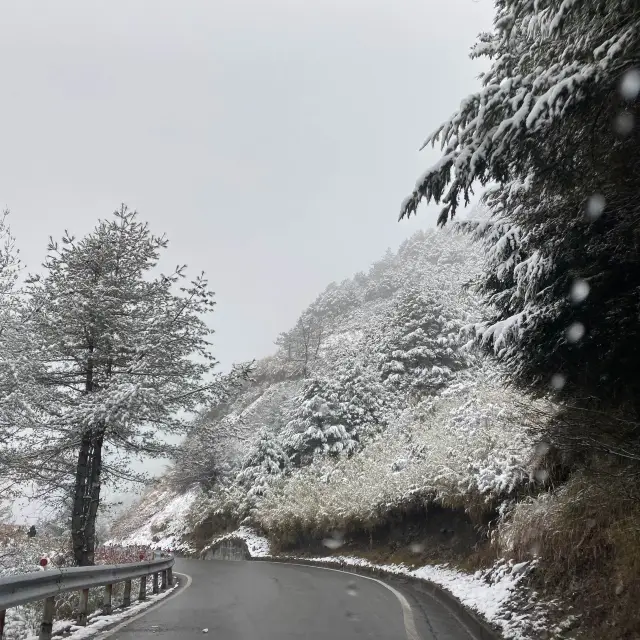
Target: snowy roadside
[493, 593]
[258, 545]
[99, 626]
[162, 528]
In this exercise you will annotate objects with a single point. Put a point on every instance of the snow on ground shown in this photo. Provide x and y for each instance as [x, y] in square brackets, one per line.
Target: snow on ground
[97, 624]
[491, 593]
[258, 545]
[167, 524]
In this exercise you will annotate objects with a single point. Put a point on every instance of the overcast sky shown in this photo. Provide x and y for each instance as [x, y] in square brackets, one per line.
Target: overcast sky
[272, 140]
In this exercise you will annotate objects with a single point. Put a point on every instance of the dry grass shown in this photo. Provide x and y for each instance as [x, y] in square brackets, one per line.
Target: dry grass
[414, 534]
[587, 537]
[467, 452]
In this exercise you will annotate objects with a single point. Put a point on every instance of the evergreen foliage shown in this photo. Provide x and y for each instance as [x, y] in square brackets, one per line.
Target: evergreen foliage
[365, 350]
[554, 131]
[17, 369]
[116, 355]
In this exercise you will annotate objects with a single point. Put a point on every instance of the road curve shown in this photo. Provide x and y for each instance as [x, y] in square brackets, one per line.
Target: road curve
[238, 600]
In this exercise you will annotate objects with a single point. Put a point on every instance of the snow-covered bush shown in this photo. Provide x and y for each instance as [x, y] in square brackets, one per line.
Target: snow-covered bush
[160, 520]
[585, 535]
[469, 446]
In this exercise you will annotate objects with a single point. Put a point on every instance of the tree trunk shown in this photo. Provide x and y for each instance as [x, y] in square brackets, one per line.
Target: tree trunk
[94, 501]
[78, 517]
[86, 499]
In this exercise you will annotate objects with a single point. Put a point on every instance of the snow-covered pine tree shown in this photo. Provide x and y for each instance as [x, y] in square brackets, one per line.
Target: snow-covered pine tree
[18, 371]
[421, 352]
[362, 402]
[304, 436]
[554, 129]
[123, 351]
[333, 415]
[267, 460]
[382, 281]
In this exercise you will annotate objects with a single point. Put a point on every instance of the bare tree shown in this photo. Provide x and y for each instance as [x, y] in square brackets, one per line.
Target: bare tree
[302, 344]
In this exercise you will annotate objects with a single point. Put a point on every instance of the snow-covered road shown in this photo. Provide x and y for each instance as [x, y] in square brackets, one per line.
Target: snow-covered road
[261, 600]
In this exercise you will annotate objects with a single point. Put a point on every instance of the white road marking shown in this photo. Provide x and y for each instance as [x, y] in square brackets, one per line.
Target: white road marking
[122, 625]
[407, 613]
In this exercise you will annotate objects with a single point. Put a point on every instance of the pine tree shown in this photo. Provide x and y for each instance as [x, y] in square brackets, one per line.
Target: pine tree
[555, 129]
[333, 416]
[267, 460]
[122, 351]
[420, 353]
[18, 371]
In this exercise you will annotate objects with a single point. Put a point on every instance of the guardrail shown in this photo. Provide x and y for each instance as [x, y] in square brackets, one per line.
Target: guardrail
[46, 585]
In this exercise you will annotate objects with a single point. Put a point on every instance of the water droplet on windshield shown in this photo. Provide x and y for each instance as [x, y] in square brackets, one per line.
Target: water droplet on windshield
[630, 85]
[416, 547]
[542, 448]
[579, 290]
[541, 475]
[352, 590]
[595, 206]
[335, 541]
[330, 543]
[575, 332]
[624, 123]
[558, 381]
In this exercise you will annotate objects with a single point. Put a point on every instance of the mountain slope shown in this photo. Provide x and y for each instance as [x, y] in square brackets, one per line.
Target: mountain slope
[374, 369]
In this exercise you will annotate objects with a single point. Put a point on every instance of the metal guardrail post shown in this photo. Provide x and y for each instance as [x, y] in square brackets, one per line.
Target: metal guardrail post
[170, 576]
[126, 598]
[142, 595]
[107, 609]
[46, 626]
[83, 608]
[163, 584]
[155, 582]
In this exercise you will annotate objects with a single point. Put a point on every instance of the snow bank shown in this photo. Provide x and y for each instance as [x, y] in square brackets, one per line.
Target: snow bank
[493, 593]
[258, 545]
[165, 522]
[99, 623]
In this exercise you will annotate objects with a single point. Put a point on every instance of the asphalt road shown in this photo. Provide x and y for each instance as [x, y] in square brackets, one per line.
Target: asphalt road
[239, 600]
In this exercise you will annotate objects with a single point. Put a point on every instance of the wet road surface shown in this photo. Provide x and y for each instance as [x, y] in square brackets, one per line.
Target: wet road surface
[242, 600]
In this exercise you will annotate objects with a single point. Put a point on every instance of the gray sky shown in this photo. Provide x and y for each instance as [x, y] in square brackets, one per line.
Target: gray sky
[272, 140]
